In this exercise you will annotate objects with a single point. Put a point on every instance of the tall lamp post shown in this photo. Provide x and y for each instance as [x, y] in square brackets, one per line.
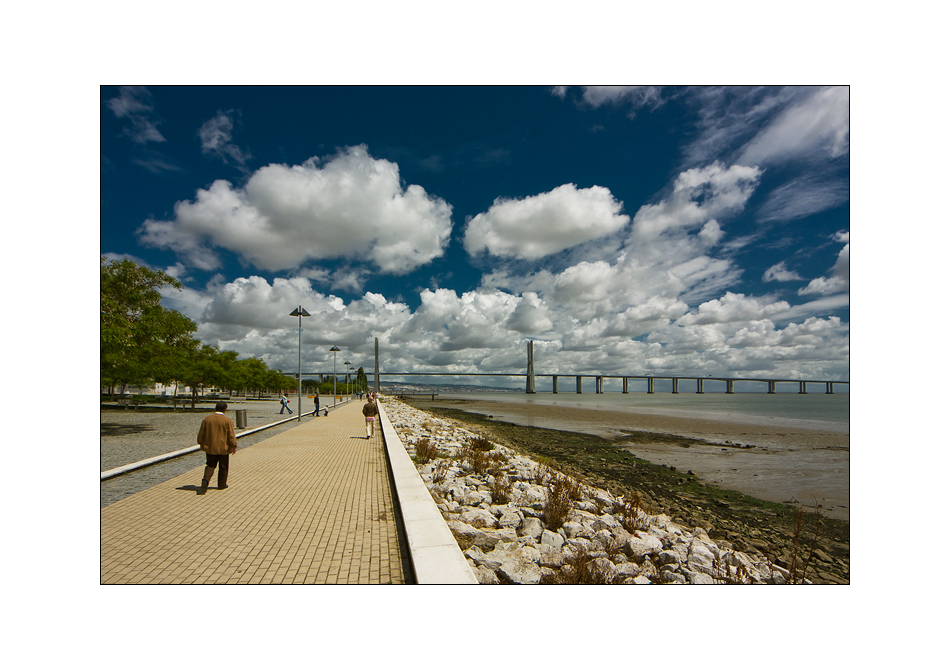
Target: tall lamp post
[334, 350]
[347, 364]
[300, 312]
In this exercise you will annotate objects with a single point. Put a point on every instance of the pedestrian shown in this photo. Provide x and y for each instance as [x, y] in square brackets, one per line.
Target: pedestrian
[370, 411]
[285, 404]
[217, 439]
[316, 403]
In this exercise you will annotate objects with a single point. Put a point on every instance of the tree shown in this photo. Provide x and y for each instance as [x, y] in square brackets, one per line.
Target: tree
[137, 334]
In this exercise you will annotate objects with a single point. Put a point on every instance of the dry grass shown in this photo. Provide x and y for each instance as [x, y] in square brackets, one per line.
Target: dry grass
[501, 490]
[562, 493]
[581, 568]
[631, 517]
[478, 455]
[425, 450]
[801, 558]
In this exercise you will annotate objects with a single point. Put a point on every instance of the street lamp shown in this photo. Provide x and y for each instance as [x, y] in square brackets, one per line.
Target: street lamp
[300, 312]
[334, 350]
[347, 364]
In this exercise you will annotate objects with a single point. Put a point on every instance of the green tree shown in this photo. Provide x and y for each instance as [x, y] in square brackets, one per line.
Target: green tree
[137, 335]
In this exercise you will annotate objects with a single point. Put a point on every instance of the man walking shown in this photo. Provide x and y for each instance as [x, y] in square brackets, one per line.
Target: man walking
[285, 404]
[217, 439]
[316, 403]
[370, 411]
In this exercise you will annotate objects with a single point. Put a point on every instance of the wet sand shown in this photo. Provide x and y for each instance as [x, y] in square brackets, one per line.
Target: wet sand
[808, 466]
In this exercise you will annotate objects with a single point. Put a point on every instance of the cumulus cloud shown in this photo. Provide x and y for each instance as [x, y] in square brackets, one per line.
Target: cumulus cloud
[733, 307]
[840, 279]
[540, 225]
[350, 206]
[215, 135]
[135, 104]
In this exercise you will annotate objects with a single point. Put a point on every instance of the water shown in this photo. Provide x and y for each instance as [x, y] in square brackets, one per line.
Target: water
[815, 411]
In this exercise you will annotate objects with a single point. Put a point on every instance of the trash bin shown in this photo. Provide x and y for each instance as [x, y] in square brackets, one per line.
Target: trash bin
[241, 415]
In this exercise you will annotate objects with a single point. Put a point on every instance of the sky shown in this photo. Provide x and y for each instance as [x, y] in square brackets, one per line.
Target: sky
[637, 230]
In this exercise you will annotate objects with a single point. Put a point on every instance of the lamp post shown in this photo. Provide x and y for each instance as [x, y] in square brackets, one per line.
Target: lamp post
[347, 364]
[334, 350]
[300, 312]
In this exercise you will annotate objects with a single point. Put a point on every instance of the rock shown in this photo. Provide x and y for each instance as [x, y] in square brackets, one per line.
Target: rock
[627, 570]
[642, 544]
[478, 518]
[516, 565]
[550, 539]
[486, 576]
[510, 518]
[530, 527]
[572, 529]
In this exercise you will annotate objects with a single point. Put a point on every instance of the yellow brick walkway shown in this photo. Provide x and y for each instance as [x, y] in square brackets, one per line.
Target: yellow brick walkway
[312, 505]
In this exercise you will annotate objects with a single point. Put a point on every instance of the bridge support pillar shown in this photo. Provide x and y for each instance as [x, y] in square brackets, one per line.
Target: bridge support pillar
[626, 385]
[649, 384]
[676, 385]
[772, 387]
[699, 385]
[580, 385]
[801, 388]
[554, 383]
[829, 388]
[598, 384]
[729, 386]
[529, 383]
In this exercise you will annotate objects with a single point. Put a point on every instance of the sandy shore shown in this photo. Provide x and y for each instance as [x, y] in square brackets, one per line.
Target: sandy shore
[787, 465]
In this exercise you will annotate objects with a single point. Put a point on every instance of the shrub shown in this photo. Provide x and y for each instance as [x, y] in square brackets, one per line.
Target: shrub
[501, 490]
[425, 450]
[562, 493]
[581, 568]
[630, 516]
[477, 453]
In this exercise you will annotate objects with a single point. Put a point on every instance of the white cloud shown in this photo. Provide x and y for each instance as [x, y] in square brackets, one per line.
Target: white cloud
[634, 96]
[839, 281]
[350, 206]
[215, 136]
[731, 308]
[819, 124]
[779, 272]
[135, 104]
[545, 224]
[699, 195]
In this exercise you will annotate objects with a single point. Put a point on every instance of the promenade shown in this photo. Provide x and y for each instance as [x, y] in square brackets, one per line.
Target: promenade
[312, 505]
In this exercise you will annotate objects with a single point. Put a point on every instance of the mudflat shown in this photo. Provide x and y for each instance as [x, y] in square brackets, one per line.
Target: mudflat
[778, 463]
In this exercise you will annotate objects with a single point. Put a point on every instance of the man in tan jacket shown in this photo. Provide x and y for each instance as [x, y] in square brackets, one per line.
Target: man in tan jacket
[217, 439]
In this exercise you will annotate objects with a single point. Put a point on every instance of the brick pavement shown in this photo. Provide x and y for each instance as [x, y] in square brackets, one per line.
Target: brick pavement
[312, 505]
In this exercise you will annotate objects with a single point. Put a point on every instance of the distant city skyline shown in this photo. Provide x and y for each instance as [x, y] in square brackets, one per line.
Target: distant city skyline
[626, 230]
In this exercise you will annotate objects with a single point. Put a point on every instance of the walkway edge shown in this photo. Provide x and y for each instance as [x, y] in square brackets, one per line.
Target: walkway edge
[435, 555]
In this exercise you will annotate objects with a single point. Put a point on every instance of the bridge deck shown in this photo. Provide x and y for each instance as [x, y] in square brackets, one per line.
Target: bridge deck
[312, 505]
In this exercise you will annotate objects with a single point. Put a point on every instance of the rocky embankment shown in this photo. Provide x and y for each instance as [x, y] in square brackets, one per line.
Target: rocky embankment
[520, 521]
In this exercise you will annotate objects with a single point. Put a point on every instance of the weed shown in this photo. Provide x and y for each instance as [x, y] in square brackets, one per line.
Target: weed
[425, 450]
[633, 517]
[581, 568]
[563, 491]
[798, 567]
[727, 574]
[478, 454]
[440, 471]
[501, 490]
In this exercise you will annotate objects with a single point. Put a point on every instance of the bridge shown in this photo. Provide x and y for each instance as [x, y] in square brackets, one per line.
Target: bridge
[531, 376]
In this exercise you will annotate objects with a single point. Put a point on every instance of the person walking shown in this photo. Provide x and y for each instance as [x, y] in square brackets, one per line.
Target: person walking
[285, 404]
[370, 411]
[316, 403]
[217, 439]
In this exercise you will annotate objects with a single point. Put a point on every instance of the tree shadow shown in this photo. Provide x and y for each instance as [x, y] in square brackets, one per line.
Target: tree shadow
[120, 430]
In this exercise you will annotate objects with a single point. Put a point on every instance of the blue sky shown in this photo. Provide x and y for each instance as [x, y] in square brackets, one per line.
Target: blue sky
[627, 230]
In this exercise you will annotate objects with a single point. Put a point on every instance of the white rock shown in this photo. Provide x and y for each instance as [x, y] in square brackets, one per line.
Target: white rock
[641, 544]
[550, 539]
[478, 518]
[530, 527]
